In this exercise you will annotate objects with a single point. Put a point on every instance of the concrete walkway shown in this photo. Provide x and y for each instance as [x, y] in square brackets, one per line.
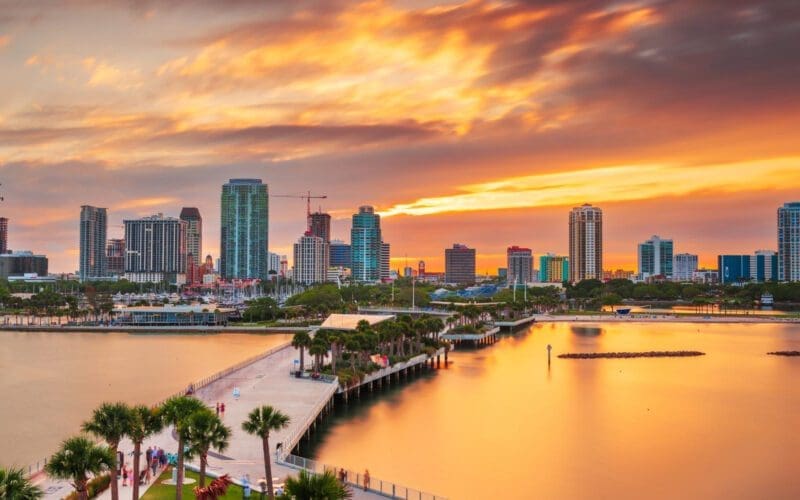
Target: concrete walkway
[266, 381]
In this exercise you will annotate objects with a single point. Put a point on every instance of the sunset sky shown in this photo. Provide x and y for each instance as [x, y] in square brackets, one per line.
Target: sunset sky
[479, 122]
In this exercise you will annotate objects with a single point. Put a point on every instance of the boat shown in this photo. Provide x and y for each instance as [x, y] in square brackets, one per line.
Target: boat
[623, 310]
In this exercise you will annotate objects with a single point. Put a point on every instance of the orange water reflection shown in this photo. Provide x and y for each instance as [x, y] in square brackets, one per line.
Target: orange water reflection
[498, 424]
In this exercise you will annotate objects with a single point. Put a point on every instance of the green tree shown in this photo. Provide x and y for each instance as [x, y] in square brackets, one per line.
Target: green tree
[310, 486]
[77, 458]
[110, 422]
[260, 422]
[144, 422]
[176, 412]
[204, 430]
[14, 485]
[301, 341]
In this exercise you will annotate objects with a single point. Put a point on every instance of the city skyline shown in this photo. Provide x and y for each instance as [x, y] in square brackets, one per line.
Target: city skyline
[168, 100]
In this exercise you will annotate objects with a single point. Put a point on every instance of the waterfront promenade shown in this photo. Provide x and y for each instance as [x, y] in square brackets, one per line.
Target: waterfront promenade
[264, 381]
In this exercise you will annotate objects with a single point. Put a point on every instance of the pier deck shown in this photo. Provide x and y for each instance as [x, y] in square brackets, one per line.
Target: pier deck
[264, 381]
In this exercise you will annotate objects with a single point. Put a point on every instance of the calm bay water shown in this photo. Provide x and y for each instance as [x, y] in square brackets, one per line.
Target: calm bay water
[498, 424]
[51, 381]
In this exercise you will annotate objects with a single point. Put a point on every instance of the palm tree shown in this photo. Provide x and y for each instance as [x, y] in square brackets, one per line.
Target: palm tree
[110, 422]
[301, 340]
[14, 485]
[259, 423]
[76, 459]
[318, 349]
[176, 412]
[204, 430]
[309, 486]
[144, 422]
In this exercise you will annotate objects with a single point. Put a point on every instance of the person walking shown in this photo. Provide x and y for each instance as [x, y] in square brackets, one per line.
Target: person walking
[366, 480]
[218, 408]
[149, 455]
[124, 476]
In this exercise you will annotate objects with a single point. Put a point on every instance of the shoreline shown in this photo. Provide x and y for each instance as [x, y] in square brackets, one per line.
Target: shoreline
[602, 318]
[159, 329]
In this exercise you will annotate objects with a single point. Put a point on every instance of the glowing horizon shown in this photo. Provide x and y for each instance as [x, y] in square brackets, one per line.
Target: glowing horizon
[473, 121]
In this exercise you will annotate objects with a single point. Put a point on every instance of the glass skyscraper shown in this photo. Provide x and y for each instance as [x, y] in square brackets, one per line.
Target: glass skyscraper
[340, 254]
[244, 229]
[789, 242]
[365, 244]
[655, 258]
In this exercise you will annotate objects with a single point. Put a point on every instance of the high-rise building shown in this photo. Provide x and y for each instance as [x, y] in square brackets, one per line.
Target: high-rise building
[684, 267]
[789, 242]
[155, 250]
[319, 224]
[459, 265]
[655, 258]
[3, 235]
[553, 268]
[340, 255]
[115, 257]
[365, 243]
[93, 226]
[194, 234]
[386, 259]
[759, 267]
[244, 228]
[310, 259]
[274, 263]
[520, 265]
[585, 243]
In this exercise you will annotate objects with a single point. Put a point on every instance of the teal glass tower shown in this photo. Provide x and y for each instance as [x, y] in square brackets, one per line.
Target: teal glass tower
[365, 243]
[789, 242]
[244, 229]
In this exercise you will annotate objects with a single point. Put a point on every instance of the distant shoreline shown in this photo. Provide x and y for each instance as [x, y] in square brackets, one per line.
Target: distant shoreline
[659, 318]
[156, 329]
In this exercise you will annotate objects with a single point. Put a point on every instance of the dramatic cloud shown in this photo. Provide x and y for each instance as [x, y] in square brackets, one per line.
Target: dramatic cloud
[475, 121]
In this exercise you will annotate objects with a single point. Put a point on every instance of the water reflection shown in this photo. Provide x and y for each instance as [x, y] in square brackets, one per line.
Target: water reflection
[586, 331]
[716, 426]
[50, 381]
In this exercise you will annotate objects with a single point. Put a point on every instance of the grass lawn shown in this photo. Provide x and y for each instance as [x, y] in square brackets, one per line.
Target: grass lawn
[159, 491]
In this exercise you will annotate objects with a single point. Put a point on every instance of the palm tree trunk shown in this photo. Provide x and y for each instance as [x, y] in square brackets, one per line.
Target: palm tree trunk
[268, 467]
[114, 484]
[179, 485]
[80, 489]
[137, 451]
[302, 358]
[203, 463]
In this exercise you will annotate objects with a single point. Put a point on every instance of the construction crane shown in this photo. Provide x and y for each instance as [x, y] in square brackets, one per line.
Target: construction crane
[308, 196]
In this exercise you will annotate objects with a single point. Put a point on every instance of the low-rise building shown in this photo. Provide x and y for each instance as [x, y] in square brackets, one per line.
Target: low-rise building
[194, 315]
[18, 264]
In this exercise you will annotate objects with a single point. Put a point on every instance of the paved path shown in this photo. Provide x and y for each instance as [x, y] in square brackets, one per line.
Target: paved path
[266, 381]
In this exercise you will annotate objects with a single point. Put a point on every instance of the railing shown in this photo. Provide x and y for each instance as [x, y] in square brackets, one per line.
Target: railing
[294, 438]
[36, 468]
[358, 480]
[227, 371]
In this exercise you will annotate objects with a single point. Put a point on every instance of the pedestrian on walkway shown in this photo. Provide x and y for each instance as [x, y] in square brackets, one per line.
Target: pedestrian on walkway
[218, 408]
[124, 476]
[222, 408]
[366, 480]
[149, 455]
[154, 466]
